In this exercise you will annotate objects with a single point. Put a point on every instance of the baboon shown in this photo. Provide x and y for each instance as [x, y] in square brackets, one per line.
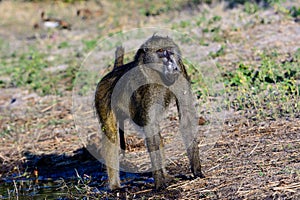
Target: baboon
[158, 66]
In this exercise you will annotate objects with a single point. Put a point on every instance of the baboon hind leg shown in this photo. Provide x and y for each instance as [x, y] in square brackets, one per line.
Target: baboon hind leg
[110, 151]
[122, 136]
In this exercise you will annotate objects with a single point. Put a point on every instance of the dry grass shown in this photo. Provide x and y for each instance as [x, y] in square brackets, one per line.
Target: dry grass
[252, 159]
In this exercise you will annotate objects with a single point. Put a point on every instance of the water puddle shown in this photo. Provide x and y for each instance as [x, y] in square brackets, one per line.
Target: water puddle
[63, 177]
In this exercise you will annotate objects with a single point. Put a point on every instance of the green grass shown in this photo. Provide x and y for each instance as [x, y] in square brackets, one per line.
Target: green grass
[63, 45]
[269, 90]
[153, 8]
[29, 70]
[294, 11]
[202, 84]
[197, 80]
[89, 44]
[250, 7]
[65, 1]
[218, 53]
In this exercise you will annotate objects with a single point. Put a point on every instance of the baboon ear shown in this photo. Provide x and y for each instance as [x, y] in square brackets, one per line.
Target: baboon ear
[142, 51]
[139, 56]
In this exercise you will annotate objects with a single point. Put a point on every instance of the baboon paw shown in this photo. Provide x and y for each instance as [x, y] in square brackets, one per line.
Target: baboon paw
[160, 186]
[115, 187]
[198, 174]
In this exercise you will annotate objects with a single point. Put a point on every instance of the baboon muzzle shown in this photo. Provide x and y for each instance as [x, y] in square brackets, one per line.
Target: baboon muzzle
[171, 69]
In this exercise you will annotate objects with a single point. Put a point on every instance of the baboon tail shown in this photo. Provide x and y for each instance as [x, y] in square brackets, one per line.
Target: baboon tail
[119, 56]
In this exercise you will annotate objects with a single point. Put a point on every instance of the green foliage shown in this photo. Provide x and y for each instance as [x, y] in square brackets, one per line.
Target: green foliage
[29, 70]
[211, 28]
[220, 52]
[185, 24]
[181, 25]
[294, 11]
[86, 79]
[270, 90]
[89, 44]
[250, 8]
[297, 54]
[265, 3]
[66, 1]
[272, 2]
[63, 45]
[153, 8]
[214, 19]
[201, 85]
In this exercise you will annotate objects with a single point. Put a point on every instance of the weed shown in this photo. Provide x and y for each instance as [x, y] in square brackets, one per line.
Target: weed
[153, 8]
[220, 52]
[270, 89]
[250, 8]
[66, 1]
[89, 44]
[295, 12]
[85, 80]
[29, 70]
[184, 24]
[201, 20]
[63, 45]
[214, 19]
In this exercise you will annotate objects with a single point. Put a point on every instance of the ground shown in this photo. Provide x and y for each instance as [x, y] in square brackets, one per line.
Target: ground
[255, 53]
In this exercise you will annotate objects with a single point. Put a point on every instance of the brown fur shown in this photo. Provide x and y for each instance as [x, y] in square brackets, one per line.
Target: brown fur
[140, 105]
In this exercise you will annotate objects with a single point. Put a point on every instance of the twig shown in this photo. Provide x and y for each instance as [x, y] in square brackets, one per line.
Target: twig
[142, 191]
[254, 148]
[48, 108]
[213, 167]
[288, 187]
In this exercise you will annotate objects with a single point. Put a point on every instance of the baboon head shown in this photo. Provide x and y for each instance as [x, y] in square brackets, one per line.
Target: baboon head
[162, 55]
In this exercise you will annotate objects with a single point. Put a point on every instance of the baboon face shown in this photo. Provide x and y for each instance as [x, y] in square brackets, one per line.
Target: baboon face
[164, 55]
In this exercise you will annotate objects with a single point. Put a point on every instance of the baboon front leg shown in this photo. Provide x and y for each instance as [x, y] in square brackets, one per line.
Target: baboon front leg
[110, 151]
[154, 142]
[188, 129]
[193, 154]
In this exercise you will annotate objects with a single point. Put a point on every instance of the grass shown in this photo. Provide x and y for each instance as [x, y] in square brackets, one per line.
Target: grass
[269, 90]
[29, 70]
[294, 11]
[89, 44]
[250, 8]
